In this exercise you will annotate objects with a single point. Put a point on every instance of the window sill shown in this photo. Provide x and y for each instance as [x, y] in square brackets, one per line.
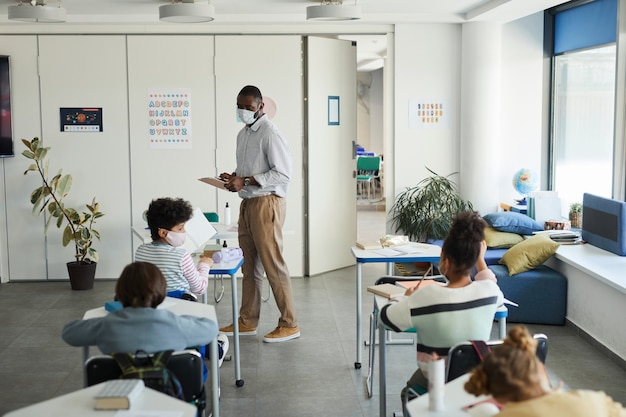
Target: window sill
[605, 266]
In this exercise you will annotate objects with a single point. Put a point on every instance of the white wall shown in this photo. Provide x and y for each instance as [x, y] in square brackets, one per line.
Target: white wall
[171, 172]
[377, 111]
[433, 70]
[594, 306]
[427, 66]
[363, 112]
[99, 162]
[521, 101]
[16, 221]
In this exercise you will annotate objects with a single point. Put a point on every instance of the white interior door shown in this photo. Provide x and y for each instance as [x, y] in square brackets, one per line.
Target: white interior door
[331, 130]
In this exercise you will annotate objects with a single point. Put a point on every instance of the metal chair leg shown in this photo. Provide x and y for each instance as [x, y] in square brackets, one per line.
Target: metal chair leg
[372, 351]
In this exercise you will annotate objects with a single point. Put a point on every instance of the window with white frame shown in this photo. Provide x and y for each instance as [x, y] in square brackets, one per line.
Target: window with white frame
[583, 119]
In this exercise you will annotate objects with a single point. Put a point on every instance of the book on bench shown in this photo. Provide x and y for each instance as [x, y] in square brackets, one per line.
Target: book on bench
[119, 394]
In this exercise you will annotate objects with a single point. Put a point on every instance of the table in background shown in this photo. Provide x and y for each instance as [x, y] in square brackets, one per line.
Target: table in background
[180, 307]
[430, 253]
[81, 403]
[455, 398]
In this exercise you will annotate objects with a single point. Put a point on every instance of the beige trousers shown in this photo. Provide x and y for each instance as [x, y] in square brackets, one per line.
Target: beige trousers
[261, 238]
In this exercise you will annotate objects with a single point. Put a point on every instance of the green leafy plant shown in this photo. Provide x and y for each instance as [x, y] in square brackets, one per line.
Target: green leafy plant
[79, 226]
[426, 210]
[576, 208]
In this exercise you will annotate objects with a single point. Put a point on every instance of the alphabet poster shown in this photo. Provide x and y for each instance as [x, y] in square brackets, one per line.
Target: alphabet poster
[169, 118]
[429, 113]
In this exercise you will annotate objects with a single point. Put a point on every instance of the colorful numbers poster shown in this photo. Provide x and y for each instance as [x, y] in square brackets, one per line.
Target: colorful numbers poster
[428, 113]
[169, 119]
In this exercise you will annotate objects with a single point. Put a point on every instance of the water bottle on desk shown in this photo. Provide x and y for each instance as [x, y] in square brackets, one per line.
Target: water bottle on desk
[436, 382]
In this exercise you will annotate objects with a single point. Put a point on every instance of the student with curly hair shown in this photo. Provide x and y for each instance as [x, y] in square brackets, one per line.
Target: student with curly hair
[516, 378]
[461, 310]
[166, 219]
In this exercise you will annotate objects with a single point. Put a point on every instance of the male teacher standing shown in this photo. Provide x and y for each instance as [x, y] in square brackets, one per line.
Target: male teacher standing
[262, 179]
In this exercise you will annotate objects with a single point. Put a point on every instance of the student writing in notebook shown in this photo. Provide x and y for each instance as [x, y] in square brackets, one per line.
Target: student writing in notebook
[446, 315]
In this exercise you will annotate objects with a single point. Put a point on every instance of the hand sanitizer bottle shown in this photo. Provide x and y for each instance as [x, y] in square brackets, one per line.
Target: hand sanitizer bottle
[227, 214]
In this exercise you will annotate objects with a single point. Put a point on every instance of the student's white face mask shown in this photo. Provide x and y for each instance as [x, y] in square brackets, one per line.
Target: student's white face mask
[246, 116]
[176, 239]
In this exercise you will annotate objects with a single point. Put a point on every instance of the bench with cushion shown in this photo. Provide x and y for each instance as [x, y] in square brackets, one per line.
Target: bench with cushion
[540, 292]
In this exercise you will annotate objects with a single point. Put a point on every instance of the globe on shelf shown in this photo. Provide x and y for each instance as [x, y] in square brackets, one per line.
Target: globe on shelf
[525, 181]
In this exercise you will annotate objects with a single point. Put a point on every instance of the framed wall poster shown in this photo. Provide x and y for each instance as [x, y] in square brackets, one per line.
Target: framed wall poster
[81, 119]
[333, 110]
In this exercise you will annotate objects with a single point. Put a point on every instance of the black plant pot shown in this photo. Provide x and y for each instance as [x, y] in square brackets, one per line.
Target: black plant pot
[82, 274]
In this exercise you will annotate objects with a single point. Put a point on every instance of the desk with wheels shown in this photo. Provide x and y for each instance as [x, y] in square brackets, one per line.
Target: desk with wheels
[181, 307]
[427, 253]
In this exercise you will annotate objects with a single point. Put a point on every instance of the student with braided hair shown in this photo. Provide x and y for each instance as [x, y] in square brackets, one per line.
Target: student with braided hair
[446, 315]
[516, 378]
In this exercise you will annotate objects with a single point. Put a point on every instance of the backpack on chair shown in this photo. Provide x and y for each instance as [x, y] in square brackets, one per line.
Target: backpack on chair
[152, 369]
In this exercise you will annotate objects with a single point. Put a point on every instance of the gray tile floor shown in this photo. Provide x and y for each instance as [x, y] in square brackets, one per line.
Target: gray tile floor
[310, 376]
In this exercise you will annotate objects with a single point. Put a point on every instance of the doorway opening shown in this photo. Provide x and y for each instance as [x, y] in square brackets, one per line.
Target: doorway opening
[370, 140]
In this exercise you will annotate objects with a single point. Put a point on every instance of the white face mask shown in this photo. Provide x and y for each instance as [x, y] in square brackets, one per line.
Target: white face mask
[246, 116]
[176, 239]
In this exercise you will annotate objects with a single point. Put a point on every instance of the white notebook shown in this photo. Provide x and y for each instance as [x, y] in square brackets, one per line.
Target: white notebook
[199, 232]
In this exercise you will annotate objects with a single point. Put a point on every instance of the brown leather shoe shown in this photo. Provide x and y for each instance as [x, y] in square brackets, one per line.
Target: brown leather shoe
[243, 330]
[282, 334]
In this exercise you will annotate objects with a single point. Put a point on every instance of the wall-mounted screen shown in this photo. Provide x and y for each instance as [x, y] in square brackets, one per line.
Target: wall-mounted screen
[6, 130]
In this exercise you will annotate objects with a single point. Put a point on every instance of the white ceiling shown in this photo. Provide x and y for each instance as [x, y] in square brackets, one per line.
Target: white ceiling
[250, 15]
[294, 11]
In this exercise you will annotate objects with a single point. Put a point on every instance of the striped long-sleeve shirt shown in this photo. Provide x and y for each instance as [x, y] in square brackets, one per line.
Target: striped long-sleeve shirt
[443, 317]
[176, 264]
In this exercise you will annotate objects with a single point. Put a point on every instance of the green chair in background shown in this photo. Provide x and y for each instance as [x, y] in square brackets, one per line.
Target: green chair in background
[368, 171]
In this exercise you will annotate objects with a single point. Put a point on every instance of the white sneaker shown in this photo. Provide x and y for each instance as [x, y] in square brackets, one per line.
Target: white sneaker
[222, 341]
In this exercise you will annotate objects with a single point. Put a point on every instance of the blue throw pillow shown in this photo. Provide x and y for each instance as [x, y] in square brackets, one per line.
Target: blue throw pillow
[511, 222]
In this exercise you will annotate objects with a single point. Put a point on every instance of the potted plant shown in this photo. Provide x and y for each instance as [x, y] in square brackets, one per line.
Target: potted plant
[79, 227]
[576, 215]
[425, 212]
